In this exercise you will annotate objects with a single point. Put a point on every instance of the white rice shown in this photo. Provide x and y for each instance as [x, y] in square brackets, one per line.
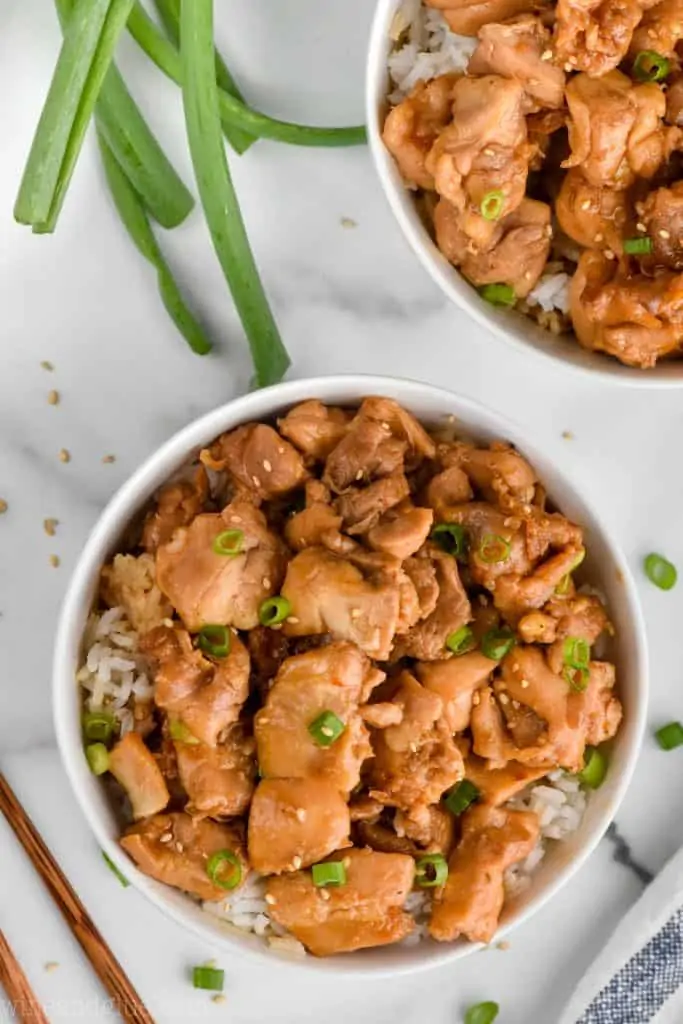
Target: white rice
[551, 292]
[425, 48]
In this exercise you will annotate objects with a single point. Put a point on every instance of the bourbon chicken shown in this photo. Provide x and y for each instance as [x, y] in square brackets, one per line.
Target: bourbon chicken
[546, 158]
[349, 649]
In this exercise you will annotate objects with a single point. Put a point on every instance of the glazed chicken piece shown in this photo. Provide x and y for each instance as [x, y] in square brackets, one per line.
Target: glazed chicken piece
[515, 49]
[615, 129]
[660, 29]
[205, 696]
[294, 823]
[674, 101]
[366, 911]
[177, 505]
[219, 781]
[131, 583]
[336, 678]
[603, 710]
[579, 615]
[496, 542]
[469, 904]
[456, 680]
[592, 215]
[307, 528]
[134, 767]
[413, 126]
[402, 531]
[499, 472]
[662, 215]
[175, 849]
[403, 425]
[421, 572]
[328, 594]
[515, 595]
[361, 508]
[466, 18]
[432, 829]
[450, 487]
[636, 318]
[258, 460]
[416, 761]
[498, 785]
[315, 429]
[594, 35]
[206, 587]
[427, 639]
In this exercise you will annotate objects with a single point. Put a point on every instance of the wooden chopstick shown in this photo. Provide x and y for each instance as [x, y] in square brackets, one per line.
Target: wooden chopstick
[25, 1008]
[110, 972]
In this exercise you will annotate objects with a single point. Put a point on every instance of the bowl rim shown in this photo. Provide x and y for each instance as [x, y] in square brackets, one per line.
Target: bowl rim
[504, 327]
[128, 499]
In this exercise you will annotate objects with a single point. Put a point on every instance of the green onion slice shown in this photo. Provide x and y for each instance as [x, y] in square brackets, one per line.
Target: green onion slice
[431, 870]
[493, 548]
[650, 66]
[451, 538]
[670, 736]
[482, 1013]
[229, 542]
[496, 643]
[461, 641]
[638, 246]
[208, 978]
[214, 640]
[273, 611]
[180, 732]
[326, 729]
[562, 588]
[660, 571]
[492, 204]
[224, 869]
[98, 758]
[332, 873]
[577, 676]
[461, 796]
[576, 652]
[594, 768]
[115, 871]
[99, 726]
[498, 294]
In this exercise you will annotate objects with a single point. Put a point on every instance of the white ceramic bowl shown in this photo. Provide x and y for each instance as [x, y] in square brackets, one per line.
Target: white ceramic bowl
[605, 567]
[508, 326]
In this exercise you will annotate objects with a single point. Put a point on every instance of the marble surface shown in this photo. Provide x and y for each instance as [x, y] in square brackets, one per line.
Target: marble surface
[347, 299]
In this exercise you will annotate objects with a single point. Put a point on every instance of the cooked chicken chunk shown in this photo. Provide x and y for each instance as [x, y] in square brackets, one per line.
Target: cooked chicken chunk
[402, 425]
[662, 215]
[258, 459]
[496, 542]
[594, 35]
[206, 696]
[467, 18]
[134, 767]
[219, 781]
[315, 429]
[427, 639]
[603, 710]
[366, 911]
[294, 823]
[456, 681]
[175, 849]
[177, 504]
[307, 528]
[422, 574]
[431, 828]
[130, 582]
[412, 127]
[450, 487]
[361, 508]
[594, 216]
[471, 900]
[498, 785]
[402, 531]
[499, 472]
[660, 29]
[209, 588]
[515, 595]
[515, 49]
[336, 678]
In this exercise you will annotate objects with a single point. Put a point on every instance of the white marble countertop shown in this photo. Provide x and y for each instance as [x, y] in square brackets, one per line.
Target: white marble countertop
[347, 299]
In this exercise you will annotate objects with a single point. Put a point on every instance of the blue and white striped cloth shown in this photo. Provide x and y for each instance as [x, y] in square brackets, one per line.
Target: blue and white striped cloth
[638, 978]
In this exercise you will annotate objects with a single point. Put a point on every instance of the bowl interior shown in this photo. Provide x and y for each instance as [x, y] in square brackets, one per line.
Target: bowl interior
[604, 568]
[508, 326]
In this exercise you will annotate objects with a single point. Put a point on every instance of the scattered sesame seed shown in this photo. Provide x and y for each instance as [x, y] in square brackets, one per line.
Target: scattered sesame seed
[359, 474]
[355, 613]
[266, 583]
[281, 451]
[599, 237]
[547, 55]
[47, 365]
[219, 999]
[326, 731]
[524, 684]
[179, 847]
[516, 705]
[108, 459]
[503, 698]
[573, 60]
[3, 506]
[297, 862]
[347, 862]
[51, 966]
[54, 561]
[50, 526]
[256, 482]
[568, 67]
[268, 466]
[348, 222]
[324, 894]
[664, 234]
[300, 814]
[270, 900]
[210, 963]
[53, 397]
[586, 204]
[609, 255]
[640, 226]
[166, 838]
[292, 620]
[567, 435]
[476, 698]
[503, 945]
[413, 748]
[65, 455]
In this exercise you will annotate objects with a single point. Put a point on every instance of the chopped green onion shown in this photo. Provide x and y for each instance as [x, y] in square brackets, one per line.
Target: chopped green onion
[326, 729]
[660, 571]
[594, 768]
[650, 66]
[99, 726]
[576, 652]
[451, 538]
[216, 869]
[221, 207]
[493, 548]
[461, 796]
[134, 218]
[577, 676]
[179, 732]
[332, 873]
[113, 868]
[214, 640]
[496, 643]
[562, 588]
[492, 204]
[482, 1013]
[98, 758]
[208, 978]
[461, 641]
[273, 611]
[638, 246]
[498, 294]
[670, 736]
[229, 542]
[431, 870]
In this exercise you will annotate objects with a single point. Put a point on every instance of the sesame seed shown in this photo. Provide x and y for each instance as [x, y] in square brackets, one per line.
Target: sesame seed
[524, 684]
[568, 67]
[573, 60]
[640, 226]
[267, 465]
[65, 455]
[476, 698]
[300, 814]
[281, 451]
[326, 731]
[359, 474]
[599, 237]
[567, 435]
[503, 698]
[266, 582]
[47, 365]
[210, 963]
[54, 561]
[292, 620]
[256, 482]
[166, 838]
[503, 945]
[179, 847]
[219, 999]
[664, 234]
[347, 862]
[108, 459]
[547, 55]
[53, 397]
[50, 526]
[3, 506]
[270, 900]
[348, 222]
[324, 894]
[355, 613]
[51, 966]
[413, 748]
[516, 705]
[297, 862]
